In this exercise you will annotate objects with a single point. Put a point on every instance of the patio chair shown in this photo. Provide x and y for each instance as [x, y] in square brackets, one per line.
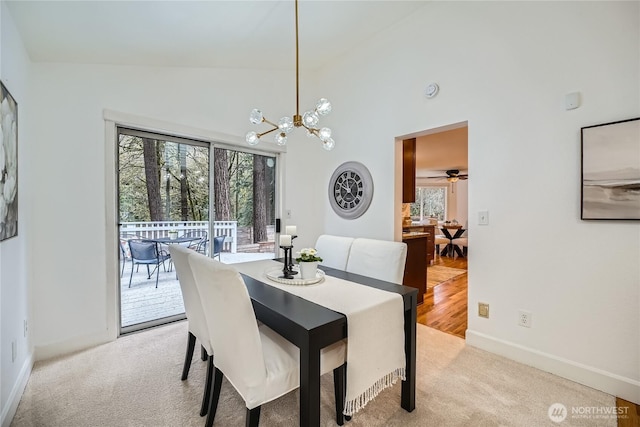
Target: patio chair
[124, 253]
[198, 245]
[146, 253]
[123, 256]
[218, 242]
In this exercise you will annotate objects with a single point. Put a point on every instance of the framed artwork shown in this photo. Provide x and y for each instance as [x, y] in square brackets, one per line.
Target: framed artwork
[611, 171]
[8, 164]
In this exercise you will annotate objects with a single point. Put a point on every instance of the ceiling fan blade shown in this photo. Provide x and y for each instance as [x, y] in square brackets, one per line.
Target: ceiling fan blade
[452, 175]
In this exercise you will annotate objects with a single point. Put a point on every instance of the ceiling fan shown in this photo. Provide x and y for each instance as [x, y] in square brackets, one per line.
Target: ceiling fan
[453, 175]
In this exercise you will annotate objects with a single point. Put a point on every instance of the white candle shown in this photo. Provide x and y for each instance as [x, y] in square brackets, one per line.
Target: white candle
[291, 230]
[285, 240]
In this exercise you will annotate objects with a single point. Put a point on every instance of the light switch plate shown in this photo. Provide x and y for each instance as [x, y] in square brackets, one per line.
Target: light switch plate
[483, 218]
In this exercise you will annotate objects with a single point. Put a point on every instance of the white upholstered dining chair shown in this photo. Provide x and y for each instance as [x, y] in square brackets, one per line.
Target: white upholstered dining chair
[334, 250]
[440, 239]
[195, 316]
[260, 364]
[380, 259]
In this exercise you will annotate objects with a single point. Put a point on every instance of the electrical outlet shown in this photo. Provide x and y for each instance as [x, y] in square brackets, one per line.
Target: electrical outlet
[524, 318]
[483, 309]
[26, 328]
[288, 213]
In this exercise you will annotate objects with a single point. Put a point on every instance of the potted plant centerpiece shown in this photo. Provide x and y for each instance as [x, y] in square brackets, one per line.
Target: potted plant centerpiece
[308, 260]
[173, 234]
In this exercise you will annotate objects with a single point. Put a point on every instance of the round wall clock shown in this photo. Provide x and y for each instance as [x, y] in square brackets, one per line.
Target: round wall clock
[350, 190]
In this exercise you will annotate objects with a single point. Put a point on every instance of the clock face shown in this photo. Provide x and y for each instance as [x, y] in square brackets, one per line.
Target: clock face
[350, 190]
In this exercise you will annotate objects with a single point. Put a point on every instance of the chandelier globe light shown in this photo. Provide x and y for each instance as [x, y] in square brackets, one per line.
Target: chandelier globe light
[309, 120]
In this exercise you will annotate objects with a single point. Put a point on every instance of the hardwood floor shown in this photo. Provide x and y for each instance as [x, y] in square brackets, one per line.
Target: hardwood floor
[629, 413]
[445, 309]
[445, 306]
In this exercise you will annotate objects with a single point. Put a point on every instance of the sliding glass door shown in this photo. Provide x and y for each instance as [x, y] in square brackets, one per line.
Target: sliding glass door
[163, 187]
[216, 200]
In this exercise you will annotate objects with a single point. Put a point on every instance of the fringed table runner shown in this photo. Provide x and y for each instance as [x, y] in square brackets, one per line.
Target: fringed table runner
[375, 325]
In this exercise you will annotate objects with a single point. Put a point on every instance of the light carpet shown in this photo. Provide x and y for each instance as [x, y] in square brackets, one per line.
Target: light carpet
[135, 381]
[437, 274]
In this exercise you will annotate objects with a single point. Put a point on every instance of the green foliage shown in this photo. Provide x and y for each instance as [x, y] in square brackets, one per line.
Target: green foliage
[308, 255]
[241, 187]
[430, 202]
[133, 185]
[134, 206]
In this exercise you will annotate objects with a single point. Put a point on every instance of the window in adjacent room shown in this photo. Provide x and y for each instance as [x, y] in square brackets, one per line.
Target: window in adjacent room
[431, 202]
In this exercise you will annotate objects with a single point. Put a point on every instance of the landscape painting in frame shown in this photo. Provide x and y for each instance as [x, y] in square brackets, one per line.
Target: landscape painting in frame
[8, 164]
[611, 170]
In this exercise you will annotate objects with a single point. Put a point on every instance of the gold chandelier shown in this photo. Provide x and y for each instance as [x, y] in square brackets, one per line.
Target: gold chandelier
[309, 120]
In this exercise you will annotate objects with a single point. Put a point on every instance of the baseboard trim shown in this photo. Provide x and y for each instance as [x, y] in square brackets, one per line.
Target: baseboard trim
[608, 382]
[9, 411]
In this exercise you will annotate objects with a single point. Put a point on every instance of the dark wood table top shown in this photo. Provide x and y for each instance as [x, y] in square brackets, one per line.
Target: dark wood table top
[312, 327]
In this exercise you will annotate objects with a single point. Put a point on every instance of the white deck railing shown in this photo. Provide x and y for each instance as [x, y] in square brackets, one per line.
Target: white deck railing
[198, 228]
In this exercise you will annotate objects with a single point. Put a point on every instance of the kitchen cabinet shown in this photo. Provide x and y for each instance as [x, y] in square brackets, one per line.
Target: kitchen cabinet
[430, 231]
[409, 170]
[415, 268]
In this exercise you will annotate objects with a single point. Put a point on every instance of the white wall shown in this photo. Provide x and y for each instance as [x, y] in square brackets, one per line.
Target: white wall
[14, 295]
[505, 67]
[70, 306]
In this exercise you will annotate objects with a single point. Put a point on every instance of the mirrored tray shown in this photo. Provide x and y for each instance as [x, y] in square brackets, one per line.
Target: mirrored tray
[275, 274]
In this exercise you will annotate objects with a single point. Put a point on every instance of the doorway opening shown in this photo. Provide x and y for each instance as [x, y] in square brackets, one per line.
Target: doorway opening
[441, 184]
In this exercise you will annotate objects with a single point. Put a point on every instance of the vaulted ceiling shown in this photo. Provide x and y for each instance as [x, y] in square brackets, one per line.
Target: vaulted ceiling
[213, 33]
[220, 34]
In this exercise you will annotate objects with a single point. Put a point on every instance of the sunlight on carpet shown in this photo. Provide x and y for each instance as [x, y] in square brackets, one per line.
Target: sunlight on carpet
[437, 274]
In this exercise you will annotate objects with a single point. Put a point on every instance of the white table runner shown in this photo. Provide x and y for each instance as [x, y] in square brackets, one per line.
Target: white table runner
[375, 325]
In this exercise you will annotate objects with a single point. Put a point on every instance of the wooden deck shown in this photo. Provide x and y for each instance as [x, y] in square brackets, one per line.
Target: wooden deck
[142, 302]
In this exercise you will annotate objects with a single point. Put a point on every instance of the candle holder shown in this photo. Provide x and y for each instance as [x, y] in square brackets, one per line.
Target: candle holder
[287, 269]
[293, 237]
